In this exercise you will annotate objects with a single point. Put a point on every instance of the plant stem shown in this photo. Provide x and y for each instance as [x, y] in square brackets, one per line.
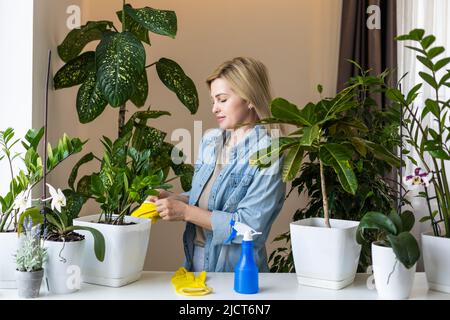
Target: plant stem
[122, 111]
[150, 65]
[324, 195]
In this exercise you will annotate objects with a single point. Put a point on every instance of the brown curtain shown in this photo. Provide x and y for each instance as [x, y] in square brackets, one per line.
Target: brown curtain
[373, 49]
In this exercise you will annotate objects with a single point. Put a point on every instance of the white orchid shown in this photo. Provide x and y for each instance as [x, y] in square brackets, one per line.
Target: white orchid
[21, 201]
[58, 198]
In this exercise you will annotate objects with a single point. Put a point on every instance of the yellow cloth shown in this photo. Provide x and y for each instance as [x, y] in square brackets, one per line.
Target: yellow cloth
[188, 284]
[147, 210]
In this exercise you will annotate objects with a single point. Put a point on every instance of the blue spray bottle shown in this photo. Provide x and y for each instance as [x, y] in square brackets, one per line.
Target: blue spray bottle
[246, 271]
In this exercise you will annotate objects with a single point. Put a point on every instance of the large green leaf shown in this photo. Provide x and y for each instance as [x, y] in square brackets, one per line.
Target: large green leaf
[265, 156]
[120, 60]
[135, 28]
[380, 152]
[73, 175]
[292, 163]
[377, 221]
[77, 39]
[163, 22]
[74, 203]
[310, 134]
[90, 100]
[174, 78]
[338, 157]
[405, 248]
[408, 220]
[140, 92]
[75, 71]
[284, 110]
[99, 241]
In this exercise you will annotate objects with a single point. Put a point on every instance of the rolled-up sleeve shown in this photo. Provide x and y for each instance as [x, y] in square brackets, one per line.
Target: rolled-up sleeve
[258, 209]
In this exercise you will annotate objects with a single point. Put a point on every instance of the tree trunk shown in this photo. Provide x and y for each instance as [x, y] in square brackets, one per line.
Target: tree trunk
[324, 195]
[122, 112]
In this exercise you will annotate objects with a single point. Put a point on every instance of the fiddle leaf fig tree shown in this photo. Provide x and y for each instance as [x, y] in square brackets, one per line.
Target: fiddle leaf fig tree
[116, 71]
[326, 133]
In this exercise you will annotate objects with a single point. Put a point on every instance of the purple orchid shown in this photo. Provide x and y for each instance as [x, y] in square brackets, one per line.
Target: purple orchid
[418, 179]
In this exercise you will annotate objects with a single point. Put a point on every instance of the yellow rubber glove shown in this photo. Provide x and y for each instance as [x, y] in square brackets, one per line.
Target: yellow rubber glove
[188, 284]
[147, 210]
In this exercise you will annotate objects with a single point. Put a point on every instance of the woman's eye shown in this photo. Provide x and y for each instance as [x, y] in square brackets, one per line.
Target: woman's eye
[223, 101]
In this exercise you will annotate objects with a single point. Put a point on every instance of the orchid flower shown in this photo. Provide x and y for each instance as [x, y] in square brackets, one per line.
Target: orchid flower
[418, 179]
[58, 198]
[21, 201]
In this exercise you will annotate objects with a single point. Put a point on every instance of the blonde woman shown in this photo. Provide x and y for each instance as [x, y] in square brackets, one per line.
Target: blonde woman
[224, 186]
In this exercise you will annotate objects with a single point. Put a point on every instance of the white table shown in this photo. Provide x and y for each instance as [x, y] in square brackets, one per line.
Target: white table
[273, 286]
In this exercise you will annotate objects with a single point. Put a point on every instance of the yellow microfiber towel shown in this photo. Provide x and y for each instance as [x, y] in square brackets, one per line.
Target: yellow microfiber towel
[147, 210]
[188, 284]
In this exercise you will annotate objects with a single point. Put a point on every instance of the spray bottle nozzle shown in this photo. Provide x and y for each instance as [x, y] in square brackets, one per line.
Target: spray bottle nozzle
[239, 228]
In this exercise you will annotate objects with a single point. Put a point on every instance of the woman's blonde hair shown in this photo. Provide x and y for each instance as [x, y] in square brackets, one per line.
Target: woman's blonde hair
[249, 79]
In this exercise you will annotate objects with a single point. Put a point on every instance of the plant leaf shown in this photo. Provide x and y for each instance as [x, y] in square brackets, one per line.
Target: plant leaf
[120, 60]
[405, 248]
[90, 100]
[99, 241]
[174, 78]
[377, 221]
[292, 163]
[163, 22]
[76, 71]
[338, 157]
[140, 92]
[135, 28]
[73, 175]
[77, 39]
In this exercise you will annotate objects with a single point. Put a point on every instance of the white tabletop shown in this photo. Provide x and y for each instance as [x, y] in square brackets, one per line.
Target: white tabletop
[273, 286]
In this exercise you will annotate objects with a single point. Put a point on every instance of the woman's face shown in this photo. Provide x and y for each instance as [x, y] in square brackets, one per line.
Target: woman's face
[229, 109]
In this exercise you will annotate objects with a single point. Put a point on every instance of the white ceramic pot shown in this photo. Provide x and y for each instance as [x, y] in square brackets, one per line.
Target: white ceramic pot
[9, 243]
[325, 257]
[436, 259]
[126, 249]
[63, 266]
[392, 279]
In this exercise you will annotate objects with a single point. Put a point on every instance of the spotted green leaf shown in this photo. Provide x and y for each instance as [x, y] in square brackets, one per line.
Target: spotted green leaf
[140, 92]
[78, 38]
[120, 60]
[75, 71]
[163, 22]
[174, 78]
[90, 100]
[135, 28]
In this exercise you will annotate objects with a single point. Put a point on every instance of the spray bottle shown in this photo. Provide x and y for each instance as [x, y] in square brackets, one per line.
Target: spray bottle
[246, 271]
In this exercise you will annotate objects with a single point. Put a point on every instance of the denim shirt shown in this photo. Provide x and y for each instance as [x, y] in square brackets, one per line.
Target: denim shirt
[242, 192]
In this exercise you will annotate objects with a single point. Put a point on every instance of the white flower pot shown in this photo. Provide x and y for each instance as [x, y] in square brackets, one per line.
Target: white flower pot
[63, 266]
[392, 279]
[126, 249]
[436, 259]
[9, 243]
[325, 257]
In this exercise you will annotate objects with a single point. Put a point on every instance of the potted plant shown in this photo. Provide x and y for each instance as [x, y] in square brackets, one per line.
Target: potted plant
[30, 259]
[139, 159]
[65, 247]
[33, 170]
[325, 251]
[375, 191]
[426, 132]
[394, 243]
[126, 178]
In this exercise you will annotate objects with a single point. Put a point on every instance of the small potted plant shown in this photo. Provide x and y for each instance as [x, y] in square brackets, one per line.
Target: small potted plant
[64, 246]
[426, 132]
[395, 252]
[325, 251]
[30, 259]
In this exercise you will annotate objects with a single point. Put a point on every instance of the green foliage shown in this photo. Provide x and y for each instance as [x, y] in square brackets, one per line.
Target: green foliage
[425, 126]
[393, 231]
[358, 129]
[116, 73]
[33, 170]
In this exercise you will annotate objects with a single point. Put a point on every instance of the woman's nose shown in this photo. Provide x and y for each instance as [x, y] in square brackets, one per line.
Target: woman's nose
[215, 108]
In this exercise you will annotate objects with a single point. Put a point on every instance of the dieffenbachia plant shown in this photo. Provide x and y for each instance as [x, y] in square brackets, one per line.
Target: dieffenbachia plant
[116, 71]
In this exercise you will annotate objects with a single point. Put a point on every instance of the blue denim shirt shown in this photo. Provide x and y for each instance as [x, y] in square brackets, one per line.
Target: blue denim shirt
[242, 192]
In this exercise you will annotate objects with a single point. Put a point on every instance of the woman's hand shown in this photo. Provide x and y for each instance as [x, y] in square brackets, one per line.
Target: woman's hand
[171, 209]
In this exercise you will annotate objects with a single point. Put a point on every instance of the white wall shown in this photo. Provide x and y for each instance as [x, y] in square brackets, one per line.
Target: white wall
[16, 59]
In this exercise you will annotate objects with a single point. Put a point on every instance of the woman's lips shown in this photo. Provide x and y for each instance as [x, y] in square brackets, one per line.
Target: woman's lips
[219, 119]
